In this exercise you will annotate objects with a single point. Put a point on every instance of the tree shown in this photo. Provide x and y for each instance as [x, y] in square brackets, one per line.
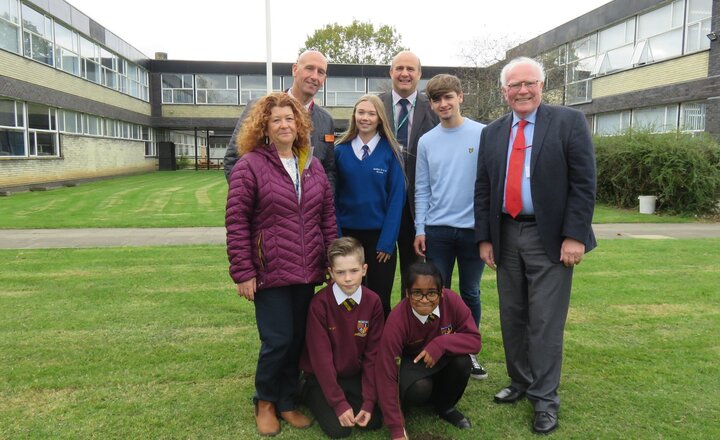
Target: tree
[357, 43]
[481, 79]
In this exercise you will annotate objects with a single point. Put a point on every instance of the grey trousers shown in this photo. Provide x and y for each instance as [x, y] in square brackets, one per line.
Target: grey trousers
[534, 298]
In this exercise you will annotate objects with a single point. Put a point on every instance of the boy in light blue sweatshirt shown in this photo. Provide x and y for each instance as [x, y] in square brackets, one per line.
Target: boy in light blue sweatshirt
[444, 189]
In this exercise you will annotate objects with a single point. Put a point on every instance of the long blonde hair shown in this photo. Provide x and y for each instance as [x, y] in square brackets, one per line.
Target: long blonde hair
[384, 127]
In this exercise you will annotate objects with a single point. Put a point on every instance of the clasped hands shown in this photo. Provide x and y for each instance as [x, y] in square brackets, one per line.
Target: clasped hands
[348, 419]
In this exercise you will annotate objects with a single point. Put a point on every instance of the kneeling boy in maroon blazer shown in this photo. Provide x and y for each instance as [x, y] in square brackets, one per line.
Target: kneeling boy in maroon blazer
[344, 325]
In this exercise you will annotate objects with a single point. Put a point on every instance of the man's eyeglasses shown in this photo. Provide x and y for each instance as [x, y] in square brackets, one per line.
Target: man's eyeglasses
[530, 85]
[431, 295]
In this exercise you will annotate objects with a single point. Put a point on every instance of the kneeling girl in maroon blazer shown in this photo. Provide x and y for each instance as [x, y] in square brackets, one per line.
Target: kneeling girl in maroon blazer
[424, 350]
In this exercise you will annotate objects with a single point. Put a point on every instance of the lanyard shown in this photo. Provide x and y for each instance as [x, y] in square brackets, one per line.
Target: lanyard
[297, 177]
[405, 119]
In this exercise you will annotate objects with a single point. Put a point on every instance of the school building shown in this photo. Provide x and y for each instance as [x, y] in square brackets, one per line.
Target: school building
[79, 102]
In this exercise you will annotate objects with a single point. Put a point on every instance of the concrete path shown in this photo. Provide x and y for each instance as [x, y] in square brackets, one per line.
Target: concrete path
[83, 238]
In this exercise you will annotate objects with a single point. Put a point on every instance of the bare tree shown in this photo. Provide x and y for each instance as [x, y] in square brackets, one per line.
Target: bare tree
[484, 59]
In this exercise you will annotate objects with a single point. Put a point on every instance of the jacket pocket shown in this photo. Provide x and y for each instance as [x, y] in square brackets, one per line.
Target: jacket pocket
[260, 253]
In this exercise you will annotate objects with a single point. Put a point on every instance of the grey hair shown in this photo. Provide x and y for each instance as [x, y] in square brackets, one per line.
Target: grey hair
[521, 60]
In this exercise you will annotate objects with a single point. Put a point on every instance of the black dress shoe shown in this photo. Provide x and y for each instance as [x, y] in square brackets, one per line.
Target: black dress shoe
[509, 395]
[545, 422]
[455, 418]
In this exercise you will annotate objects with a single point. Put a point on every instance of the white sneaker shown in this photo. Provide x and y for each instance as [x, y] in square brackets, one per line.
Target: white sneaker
[477, 372]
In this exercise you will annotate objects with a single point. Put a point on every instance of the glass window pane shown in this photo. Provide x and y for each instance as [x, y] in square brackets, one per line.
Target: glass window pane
[7, 113]
[35, 22]
[665, 45]
[9, 37]
[699, 10]
[9, 11]
[46, 144]
[182, 96]
[38, 116]
[379, 85]
[12, 142]
[171, 81]
[693, 117]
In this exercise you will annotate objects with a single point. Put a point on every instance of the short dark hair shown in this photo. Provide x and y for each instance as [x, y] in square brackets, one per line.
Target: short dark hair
[422, 268]
[344, 246]
[441, 84]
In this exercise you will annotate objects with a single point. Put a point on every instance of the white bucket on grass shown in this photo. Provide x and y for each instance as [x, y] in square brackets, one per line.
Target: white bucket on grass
[647, 204]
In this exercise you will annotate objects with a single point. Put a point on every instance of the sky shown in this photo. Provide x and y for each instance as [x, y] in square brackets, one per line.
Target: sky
[222, 30]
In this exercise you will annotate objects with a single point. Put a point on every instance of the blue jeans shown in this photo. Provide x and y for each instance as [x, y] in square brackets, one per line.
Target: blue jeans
[445, 244]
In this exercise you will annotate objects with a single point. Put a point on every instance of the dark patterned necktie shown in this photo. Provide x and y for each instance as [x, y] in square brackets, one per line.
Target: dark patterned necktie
[431, 317]
[403, 120]
[349, 304]
[366, 152]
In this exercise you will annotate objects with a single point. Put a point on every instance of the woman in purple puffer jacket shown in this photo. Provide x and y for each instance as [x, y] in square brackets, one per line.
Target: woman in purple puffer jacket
[280, 219]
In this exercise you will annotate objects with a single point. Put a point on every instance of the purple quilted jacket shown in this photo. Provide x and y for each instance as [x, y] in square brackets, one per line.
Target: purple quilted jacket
[270, 235]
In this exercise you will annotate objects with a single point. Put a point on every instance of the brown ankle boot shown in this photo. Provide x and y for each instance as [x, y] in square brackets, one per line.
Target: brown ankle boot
[296, 419]
[267, 422]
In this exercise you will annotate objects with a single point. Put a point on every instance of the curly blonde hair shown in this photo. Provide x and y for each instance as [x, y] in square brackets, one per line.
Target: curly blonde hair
[252, 134]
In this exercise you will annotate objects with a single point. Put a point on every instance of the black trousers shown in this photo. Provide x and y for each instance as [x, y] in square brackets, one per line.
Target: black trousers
[325, 414]
[406, 251]
[441, 386]
[380, 276]
[280, 313]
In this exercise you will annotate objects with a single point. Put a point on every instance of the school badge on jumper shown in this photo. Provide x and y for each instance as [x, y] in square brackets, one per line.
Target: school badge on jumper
[448, 329]
[362, 328]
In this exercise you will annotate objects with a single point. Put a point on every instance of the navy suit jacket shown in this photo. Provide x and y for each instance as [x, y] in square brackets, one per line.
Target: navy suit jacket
[424, 120]
[562, 179]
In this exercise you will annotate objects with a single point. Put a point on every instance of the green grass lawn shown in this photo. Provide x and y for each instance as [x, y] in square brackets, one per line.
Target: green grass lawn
[153, 343]
[168, 199]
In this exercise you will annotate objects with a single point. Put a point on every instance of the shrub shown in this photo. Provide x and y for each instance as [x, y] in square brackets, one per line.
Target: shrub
[682, 170]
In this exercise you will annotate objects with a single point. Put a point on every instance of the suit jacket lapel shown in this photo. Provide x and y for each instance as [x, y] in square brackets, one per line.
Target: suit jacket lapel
[542, 122]
[503, 143]
[418, 116]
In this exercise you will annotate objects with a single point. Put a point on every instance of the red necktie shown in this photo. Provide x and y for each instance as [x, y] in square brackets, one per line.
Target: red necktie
[513, 186]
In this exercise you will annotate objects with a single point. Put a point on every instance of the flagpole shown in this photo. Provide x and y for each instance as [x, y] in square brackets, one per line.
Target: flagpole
[268, 48]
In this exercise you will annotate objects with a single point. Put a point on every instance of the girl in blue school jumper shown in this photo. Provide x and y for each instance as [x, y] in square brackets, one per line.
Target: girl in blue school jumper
[370, 191]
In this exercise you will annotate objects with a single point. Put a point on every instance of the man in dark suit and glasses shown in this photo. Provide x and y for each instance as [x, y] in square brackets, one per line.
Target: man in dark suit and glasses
[534, 202]
[410, 112]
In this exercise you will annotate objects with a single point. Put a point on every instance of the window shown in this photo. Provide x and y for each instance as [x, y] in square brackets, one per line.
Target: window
[149, 136]
[692, 116]
[581, 61]
[108, 69]
[67, 47]
[92, 125]
[660, 33]
[69, 121]
[42, 130]
[615, 47]
[344, 91]
[612, 123]
[177, 88]
[379, 85]
[90, 66]
[255, 86]
[9, 26]
[216, 89]
[37, 36]
[656, 119]
[12, 128]
[699, 13]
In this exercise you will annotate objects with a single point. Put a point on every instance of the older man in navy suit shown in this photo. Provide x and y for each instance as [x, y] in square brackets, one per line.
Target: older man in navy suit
[534, 202]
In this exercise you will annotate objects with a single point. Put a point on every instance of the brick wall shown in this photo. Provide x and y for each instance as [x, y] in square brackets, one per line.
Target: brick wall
[82, 157]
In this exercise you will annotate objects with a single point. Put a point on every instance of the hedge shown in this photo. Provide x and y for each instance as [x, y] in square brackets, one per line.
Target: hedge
[682, 170]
